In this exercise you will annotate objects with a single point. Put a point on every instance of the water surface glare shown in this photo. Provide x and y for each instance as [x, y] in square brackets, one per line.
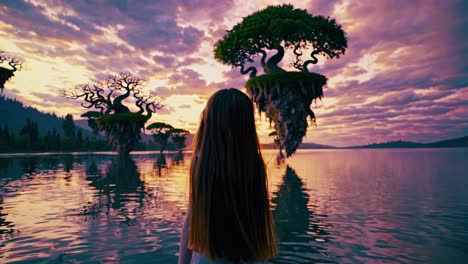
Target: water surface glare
[329, 206]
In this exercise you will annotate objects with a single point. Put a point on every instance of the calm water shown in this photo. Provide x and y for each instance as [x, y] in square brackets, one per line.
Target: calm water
[329, 206]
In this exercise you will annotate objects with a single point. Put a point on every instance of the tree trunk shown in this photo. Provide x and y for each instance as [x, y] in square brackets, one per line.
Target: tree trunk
[271, 66]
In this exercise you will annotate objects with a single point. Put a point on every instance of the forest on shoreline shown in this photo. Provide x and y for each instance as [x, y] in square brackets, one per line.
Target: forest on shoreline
[27, 130]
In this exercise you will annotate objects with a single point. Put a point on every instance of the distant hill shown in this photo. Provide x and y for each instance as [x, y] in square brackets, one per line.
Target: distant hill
[391, 144]
[314, 146]
[14, 115]
[301, 146]
[451, 143]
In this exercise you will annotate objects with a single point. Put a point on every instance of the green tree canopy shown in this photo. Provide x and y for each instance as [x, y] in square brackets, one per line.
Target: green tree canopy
[159, 127]
[284, 96]
[161, 133]
[179, 136]
[277, 28]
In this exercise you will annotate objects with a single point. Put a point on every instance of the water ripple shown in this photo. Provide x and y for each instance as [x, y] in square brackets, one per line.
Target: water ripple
[340, 206]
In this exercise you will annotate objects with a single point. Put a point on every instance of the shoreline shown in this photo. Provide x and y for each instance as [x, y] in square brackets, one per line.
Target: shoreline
[156, 152]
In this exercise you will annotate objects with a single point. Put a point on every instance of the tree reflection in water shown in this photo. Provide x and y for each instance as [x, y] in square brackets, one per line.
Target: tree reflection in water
[301, 237]
[161, 160]
[50, 164]
[68, 161]
[15, 173]
[121, 179]
[126, 220]
[165, 163]
[7, 229]
[29, 165]
[160, 163]
[280, 159]
[5, 167]
[178, 158]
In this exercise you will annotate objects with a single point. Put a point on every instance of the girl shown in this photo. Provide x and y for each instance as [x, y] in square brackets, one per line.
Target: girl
[228, 219]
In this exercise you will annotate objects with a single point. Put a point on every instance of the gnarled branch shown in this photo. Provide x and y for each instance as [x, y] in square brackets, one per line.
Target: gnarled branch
[271, 65]
[314, 60]
[16, 64]
[251, 69]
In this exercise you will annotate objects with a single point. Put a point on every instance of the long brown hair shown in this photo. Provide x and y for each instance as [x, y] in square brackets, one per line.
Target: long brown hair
[230, 216]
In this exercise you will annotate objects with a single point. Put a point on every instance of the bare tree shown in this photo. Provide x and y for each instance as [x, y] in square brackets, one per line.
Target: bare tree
[110, 100]
[15, 63]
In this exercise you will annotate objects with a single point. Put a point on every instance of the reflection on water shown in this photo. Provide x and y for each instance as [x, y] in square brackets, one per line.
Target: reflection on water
[161, 161]
[160, 164]
[68, 162]
[280, 159]
[6, 227]
[121, 178]
[338, 206]
[179, 157]
[301, 236]
[90, 208]
[29, 165]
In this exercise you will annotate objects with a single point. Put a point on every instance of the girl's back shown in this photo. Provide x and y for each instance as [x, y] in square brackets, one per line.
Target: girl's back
[229, 220]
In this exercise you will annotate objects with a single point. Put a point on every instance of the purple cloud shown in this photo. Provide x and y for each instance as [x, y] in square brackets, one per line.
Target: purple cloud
[405, 72]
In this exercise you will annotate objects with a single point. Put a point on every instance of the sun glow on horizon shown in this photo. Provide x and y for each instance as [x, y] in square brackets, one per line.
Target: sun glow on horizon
[415, 71]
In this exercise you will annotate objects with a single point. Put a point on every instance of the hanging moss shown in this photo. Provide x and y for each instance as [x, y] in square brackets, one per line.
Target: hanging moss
[285, 98]
[308, 84]
[123, 131]
[121, 118]
[92, 114]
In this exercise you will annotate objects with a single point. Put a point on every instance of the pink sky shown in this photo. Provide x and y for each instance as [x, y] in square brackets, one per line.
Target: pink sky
[404, 75]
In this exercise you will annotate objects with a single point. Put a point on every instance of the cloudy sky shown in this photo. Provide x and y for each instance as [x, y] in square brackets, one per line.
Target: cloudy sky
[404, 75]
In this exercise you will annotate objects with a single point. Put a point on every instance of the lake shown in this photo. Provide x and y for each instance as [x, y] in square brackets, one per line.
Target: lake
[329, 206]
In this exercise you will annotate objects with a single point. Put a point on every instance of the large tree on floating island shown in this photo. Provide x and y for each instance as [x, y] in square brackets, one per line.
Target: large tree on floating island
[112, 98]
[14, 64]
[284, 96]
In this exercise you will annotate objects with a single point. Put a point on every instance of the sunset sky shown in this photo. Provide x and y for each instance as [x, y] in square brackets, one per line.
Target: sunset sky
[404, 75]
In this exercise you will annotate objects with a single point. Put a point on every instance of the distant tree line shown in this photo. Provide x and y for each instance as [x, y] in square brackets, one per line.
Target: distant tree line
[30, 140]
[72, 138]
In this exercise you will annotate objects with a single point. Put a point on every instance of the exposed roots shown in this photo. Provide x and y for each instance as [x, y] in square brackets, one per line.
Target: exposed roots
[285, 98]
[122, 133]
